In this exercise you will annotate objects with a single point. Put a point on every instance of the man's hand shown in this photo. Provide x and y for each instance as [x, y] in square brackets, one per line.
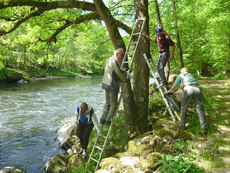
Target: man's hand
[166, 92]
[147, 37]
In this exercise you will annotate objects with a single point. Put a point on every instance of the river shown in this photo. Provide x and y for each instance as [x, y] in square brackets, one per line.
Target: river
[32, 113]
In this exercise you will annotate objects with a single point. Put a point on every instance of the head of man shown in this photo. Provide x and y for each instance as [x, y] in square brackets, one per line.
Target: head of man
[84, 108]
[159, 31]
[119, 54]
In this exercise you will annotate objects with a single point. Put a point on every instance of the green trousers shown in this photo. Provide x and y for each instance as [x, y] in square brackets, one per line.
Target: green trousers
[110, 106]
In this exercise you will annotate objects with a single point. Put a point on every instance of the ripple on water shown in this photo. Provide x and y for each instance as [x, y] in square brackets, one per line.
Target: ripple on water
[32, 114]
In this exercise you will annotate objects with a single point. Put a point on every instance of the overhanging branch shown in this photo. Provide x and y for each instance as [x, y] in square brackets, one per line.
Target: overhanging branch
[78, 20]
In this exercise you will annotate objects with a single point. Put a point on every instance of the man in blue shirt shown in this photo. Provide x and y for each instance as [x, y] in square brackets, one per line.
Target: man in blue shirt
[191, 90]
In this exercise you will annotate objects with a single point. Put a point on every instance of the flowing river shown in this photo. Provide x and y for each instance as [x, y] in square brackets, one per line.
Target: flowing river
[31, 114]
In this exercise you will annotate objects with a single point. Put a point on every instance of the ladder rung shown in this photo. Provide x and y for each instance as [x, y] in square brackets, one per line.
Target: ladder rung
[134, 43]
[98, 148]
[94, 159]
[137, 33]
[127, 62]
[131, 52]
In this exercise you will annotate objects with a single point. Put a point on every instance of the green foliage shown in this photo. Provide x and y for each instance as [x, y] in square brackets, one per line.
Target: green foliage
[176, 165]
[220, 77]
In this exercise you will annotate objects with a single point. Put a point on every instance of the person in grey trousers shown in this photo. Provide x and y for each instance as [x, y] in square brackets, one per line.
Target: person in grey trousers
[191, 90]
[111, 84]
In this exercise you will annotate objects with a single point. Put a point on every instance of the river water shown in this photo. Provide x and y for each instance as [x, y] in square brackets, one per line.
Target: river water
[31, 114]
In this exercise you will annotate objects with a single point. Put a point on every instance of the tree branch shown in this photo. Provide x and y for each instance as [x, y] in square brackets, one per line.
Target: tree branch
[68, 23]
[19, 22]
[49, 5]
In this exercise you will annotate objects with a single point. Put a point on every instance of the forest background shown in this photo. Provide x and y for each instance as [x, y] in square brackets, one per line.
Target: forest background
[28, 42]
[46, 37]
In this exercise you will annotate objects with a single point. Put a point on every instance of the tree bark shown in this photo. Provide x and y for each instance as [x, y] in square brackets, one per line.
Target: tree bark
[141, 74]
[128, 99]
[179, 50]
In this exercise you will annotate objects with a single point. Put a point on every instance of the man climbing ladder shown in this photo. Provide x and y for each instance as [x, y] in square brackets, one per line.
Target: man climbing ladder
[109, 121]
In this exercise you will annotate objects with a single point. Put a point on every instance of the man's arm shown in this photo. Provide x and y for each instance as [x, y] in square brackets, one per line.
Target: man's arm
[148, 38]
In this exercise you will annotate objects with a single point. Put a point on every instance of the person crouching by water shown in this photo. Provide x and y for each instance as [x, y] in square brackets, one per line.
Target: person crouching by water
[191, 90]
[85, 121]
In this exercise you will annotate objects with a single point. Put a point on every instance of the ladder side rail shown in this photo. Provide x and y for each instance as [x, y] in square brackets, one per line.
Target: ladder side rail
[110, 127]
[127, 49]
[175, 112]
[104, 145]
[139, 37]
[108, 133]
[154, 65]
[131, 40]
[119, 100]
[158, 86]
[95, 143]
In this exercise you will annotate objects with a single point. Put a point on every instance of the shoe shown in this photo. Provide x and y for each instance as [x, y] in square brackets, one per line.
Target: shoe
[181, 127]
[102, 122]
[205, 132]
[108, 123]
[84, 154]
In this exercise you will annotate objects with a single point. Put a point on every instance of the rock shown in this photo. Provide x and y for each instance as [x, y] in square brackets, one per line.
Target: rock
[13, 75]
[11, 170]
[68, 139]
[110, 164]
[57, 164]
[165, 127]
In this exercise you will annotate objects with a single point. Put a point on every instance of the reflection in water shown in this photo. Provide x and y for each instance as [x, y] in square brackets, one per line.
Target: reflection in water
[32, 113]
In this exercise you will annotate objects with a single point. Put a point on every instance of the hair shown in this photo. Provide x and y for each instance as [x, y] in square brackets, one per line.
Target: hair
[184, 69]
[119, 50]
[85, 105]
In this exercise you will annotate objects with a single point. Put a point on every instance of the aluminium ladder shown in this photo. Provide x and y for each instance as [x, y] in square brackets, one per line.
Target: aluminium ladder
[171, 106]
[125, 63]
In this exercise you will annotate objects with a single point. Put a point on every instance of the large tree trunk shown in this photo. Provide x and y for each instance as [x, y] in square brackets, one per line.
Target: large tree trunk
[128, 99]
[141, 74]
[179, 50]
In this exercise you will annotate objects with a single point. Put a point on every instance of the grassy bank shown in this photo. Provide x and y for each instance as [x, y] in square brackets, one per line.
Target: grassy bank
[204, 153]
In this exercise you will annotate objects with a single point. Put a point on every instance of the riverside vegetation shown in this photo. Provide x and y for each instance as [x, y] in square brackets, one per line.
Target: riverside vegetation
[189, 151]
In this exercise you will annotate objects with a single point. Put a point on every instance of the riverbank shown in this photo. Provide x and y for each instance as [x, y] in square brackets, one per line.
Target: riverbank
[13, 75]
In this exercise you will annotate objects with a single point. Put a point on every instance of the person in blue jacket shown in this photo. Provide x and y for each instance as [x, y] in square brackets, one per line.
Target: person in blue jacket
[85, 121]
[191, 90]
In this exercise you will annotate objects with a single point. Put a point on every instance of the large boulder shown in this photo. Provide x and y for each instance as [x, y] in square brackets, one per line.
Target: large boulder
[61, 163]
[11, 170]
[167, 128]
[12, 75]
